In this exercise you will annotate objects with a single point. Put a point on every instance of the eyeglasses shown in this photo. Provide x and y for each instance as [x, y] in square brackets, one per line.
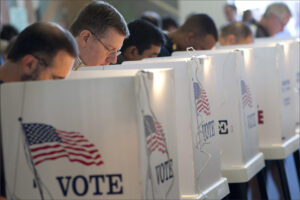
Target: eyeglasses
[109, 51]
[279, 20]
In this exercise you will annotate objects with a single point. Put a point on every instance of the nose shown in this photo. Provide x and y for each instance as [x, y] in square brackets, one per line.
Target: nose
[281, 28]
[112, 58]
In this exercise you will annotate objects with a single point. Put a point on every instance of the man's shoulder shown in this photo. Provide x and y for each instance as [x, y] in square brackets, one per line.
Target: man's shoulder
[261, 31]
[167, 49]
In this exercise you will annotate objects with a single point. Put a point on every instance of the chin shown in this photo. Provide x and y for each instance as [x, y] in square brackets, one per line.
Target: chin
[104, 64]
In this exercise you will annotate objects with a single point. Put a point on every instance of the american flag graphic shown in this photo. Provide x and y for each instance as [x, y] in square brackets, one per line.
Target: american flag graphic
[155, 136]
[201, 100]
[246, 95]
[47, 143]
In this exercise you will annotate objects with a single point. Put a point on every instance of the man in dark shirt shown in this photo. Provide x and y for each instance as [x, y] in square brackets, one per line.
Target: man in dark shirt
[43, 51]
[144, 41]
[273, 21]
[199, 31]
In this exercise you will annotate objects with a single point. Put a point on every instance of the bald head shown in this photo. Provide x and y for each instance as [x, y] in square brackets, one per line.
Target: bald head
[235, 33]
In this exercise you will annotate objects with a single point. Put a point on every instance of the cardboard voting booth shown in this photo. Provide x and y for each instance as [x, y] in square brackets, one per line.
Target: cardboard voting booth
[292, 59]
[273, 83]
[236, 115]
[110, 136]
[198, 147]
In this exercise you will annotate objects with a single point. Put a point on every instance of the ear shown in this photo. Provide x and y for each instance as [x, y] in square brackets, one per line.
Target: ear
[230, 39]
[29, 64]
[190, 38]
[83, 38]
[131, 53]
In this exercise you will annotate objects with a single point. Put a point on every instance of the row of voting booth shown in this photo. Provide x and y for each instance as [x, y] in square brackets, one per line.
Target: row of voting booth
[179, 127]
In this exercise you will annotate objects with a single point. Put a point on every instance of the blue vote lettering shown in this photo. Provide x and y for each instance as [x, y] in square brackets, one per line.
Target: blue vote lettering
[81, 185]
[75, 185]
[164, 171]
[208, 130]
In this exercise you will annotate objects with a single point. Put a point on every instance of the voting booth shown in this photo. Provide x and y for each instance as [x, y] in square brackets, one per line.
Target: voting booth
[198, 146]
[291, 59]
[273, 83]
[98, 136]
[236, 115]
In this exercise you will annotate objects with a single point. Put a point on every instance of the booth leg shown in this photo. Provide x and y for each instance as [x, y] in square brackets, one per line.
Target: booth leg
[283, 178]
[262, 184]
[238, 191]
[297, 163]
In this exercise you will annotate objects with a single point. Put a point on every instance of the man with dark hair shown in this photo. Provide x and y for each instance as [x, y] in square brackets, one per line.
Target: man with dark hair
[152, 17]
[99, 30]
[235, 33]
[144, 41]
[169, 24]
[248, 17]
[42, 51]
[230, 12]
[273, 21]
[198, 31]
[8, 32]
[2, 47]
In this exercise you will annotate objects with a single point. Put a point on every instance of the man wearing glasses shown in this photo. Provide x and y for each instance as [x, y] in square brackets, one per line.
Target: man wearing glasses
[99, 30]
[273, 21]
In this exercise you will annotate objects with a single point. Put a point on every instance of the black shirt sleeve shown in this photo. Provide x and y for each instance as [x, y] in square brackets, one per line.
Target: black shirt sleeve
[2, 178]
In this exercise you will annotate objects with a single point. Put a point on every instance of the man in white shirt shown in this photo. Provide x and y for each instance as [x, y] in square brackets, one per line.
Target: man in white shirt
[99, 30]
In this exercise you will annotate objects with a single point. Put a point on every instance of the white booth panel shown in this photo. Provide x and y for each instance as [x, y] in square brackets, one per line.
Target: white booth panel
[276, 98]
[236, 113]
[292, 59]
[199, 161]
[92, 138]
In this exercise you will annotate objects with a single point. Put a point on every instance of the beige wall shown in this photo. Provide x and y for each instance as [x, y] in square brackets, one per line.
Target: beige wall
[213, 8]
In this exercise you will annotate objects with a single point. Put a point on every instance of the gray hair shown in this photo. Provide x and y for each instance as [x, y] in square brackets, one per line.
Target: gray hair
[281, 10]
[97, 17]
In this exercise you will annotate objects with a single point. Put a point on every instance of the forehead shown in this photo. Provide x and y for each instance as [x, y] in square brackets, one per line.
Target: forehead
[61, 64]
[247, 40]
[153, 49]
[113, 37]
[208, 42]
[112, 34]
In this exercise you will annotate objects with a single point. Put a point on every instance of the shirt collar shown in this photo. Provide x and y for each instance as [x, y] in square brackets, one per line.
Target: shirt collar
[77, 64]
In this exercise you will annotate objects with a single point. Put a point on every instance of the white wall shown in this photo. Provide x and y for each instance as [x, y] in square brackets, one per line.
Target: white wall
[213, 8]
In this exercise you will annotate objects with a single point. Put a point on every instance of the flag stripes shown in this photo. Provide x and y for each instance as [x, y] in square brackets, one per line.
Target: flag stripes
[246, 95]
[59, 144]
[201, 100]
[157, 140]
[202, 103]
